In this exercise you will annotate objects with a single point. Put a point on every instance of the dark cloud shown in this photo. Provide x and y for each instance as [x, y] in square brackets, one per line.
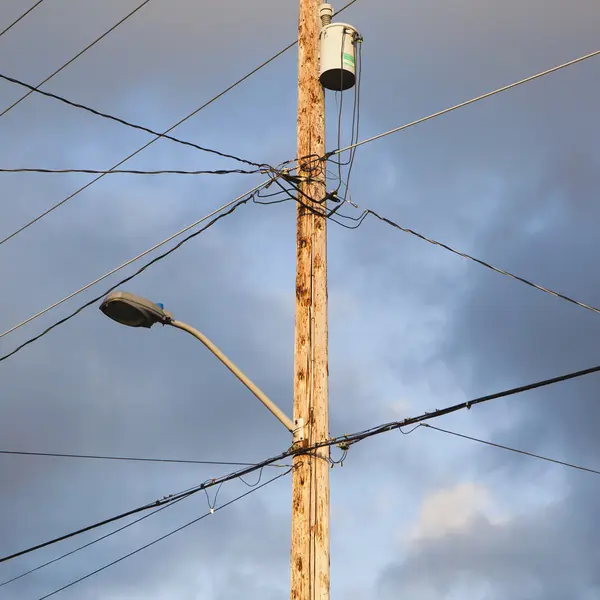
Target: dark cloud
[512, 180]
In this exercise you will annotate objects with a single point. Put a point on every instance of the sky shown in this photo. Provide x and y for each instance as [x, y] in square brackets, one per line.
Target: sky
[512, 180]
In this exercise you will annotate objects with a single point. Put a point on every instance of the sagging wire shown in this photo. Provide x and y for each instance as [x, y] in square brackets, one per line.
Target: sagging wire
[413, 429]
[354, 134]
[340, 461]
[211, 505]
[260, 474]
[309, 205]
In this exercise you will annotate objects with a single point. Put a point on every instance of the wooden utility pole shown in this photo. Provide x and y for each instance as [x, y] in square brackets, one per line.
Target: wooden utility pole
[310, 478]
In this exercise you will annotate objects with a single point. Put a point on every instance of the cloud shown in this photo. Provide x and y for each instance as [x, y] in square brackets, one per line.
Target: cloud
[450, 510]
[512, 180]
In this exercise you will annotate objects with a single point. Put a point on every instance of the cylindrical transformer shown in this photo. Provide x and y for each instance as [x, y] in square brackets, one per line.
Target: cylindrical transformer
[338, 57]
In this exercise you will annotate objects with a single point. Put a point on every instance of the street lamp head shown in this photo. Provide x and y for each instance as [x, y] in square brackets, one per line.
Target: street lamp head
[133, 311]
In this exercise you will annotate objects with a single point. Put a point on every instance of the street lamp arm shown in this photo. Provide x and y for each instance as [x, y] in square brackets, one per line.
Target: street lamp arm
[283, 418]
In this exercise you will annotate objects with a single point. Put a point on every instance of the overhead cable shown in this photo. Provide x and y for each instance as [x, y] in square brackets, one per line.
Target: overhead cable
[230, 206]
[158, 136]
[474, 439]
[95, 541]
[483, 263]
[163, 537]
[130, 458]
[135, 172]
[366, 212]
[395, 425]
[219, 481]
[342, 441]
[72, 60]
[9, 27]
[462, 104]
[129, 124]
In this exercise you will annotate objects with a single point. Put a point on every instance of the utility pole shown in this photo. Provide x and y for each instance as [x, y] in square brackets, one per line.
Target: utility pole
[310, 478]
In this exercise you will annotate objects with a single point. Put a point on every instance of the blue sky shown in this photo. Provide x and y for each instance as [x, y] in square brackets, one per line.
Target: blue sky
[512, 180]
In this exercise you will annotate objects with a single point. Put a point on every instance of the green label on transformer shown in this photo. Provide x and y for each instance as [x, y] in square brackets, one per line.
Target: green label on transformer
[349, 58]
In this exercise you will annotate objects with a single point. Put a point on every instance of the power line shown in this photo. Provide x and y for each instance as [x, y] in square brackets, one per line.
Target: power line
[131, 458]
[462, 104]
[366, 211]
[233, 206]
[482, 262]
[72, 60]
[165, 500]
[120, 267]
[79, 548]
[7, 29]
[163, 537]
[342, 441]
[347, 440]
[135, 172]
[128, 124]
[158, 136]
[473, 439]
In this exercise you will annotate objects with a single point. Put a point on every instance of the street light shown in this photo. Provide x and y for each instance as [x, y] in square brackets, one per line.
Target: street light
[134, 311]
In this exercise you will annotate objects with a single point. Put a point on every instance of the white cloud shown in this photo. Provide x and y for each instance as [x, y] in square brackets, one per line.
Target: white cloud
[451, 510]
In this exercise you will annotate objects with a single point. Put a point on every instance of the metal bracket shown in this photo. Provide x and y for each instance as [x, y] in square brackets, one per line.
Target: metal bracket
[299, 430]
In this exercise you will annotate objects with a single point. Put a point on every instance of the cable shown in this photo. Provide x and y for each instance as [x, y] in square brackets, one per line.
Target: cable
[342, 441]
[79, 548]
[7, 29]
[158, 136]
[131, 458]
[128, 124]
[233, 205]
[356, 111]
[552, 460]
[135, 172]
[165, 500]
[357, 437]
[483, 263]
[72, 60]
[163, 537]
[359, 220]
[120, 267]
[462, 104]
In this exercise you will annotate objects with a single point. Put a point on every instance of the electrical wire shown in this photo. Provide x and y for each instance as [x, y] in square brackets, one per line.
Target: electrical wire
[72, 60]
[7, 29]
[307, 205]
[136, 172]
[359, 220]
[355, 115]
[343, 442]
[158, 136]
[95, 541]
[127, 263]
[502, 447]
[163, 537]
[129, 124]
[131, 458]
[483, 263]
[233, 206]
[165, 500]
[347, 440]
[462, 104]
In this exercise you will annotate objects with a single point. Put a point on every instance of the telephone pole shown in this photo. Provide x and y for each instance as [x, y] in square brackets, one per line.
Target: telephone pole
[310, 478]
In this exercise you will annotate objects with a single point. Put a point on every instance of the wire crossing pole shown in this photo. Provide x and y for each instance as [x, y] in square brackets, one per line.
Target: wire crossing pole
[310, 494]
